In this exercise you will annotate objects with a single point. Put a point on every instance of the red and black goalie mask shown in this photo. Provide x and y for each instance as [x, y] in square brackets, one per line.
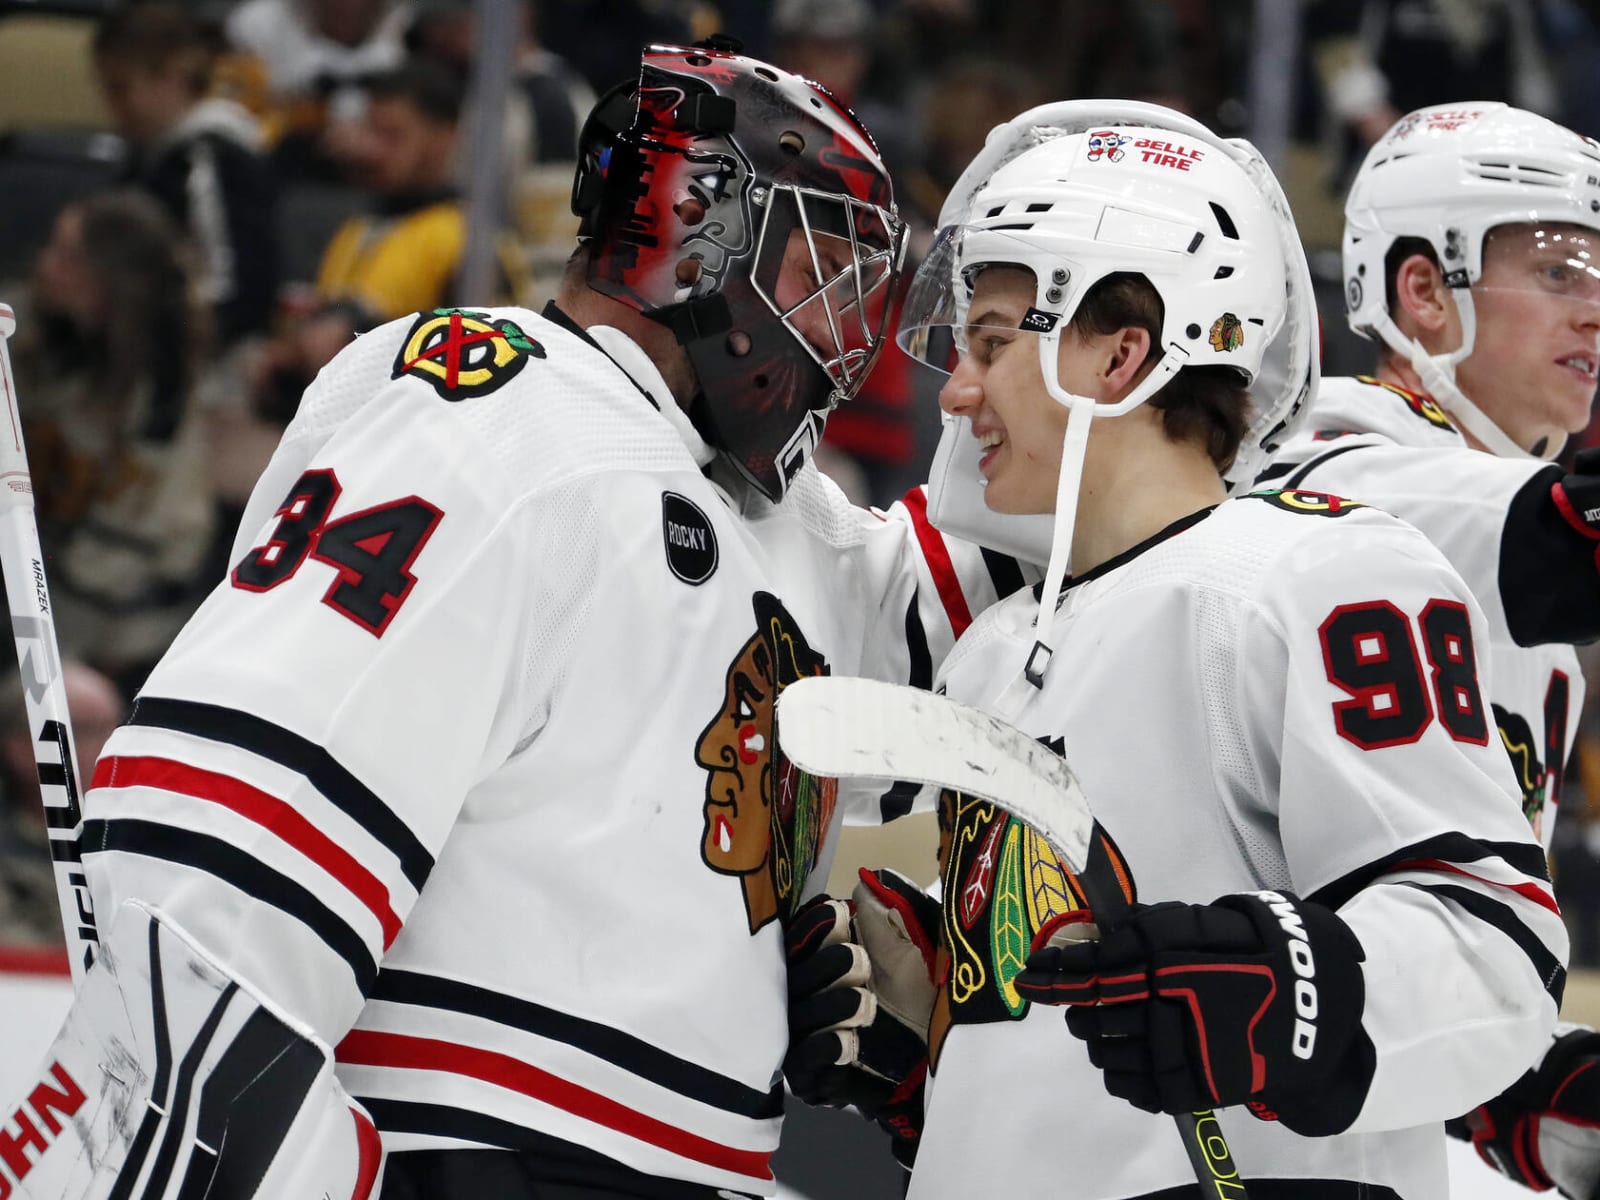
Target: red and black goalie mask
[748, 211]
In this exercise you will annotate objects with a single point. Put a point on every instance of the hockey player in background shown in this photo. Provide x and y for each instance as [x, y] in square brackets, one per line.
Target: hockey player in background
[1472, 256]
[468, 768]
[1273, 703]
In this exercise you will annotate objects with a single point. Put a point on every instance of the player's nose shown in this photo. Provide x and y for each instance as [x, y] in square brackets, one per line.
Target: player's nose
[962, 393]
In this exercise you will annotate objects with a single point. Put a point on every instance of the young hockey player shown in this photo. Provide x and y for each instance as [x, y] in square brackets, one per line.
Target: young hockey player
[468, 768]
[1272, 702]
[1472, 256]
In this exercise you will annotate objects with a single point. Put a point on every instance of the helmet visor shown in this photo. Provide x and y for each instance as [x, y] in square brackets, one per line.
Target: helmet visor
[827, 265]
[1561, 262]
[937, 325]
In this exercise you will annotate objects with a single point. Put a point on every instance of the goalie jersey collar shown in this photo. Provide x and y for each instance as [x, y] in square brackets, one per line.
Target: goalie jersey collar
[551, 312]
[626, 355]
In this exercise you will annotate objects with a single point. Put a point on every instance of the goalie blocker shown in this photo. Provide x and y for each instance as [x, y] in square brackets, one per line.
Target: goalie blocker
[170, 1078]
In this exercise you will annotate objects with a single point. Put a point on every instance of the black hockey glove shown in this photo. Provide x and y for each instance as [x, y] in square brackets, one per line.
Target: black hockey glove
[1577, 498]
[1544, 1130]
[1254, 999]
[861, 992]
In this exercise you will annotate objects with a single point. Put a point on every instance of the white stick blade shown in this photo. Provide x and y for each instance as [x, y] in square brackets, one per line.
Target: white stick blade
[845, 727]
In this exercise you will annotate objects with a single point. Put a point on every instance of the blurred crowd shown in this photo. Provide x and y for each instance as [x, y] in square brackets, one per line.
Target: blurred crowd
[205, 199]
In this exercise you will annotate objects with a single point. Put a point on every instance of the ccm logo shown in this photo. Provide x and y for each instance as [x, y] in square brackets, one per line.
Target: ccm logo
[45, 1101]
[1305, 968]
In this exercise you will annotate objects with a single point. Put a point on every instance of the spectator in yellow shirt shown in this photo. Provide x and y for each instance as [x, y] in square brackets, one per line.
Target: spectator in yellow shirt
[402, 255]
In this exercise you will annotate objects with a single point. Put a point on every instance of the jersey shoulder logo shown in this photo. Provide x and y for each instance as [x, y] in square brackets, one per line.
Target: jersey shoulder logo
[464, 353]
[1523, 747]
[1425, 407]
[690, 540]
[766, 821]
[1298, 500]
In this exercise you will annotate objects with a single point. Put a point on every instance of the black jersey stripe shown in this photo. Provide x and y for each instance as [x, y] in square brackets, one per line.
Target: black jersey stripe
[1004, 572]
[261, 737]
[631, 1054]
[1500, 915]
[540, 1158]
[241, 870]
[1525, 857]
[1305, 468]
[897, 801]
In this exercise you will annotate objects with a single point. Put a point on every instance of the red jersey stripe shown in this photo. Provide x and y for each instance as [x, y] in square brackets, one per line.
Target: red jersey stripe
[1531, 891]
[265, 810]
[937, 556]
[371, 1048]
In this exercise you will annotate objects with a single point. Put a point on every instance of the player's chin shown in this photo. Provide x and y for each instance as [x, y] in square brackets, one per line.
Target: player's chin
[1001, 496]
[1573, 416]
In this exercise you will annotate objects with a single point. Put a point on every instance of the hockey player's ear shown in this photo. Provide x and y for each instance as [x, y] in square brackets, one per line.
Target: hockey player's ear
[1423, 308]
[1127, 359]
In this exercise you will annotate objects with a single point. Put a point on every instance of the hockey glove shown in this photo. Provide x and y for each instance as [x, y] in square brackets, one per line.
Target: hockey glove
[1253, 999]
[861, 992]
[1577, 498]
[1544, 1130]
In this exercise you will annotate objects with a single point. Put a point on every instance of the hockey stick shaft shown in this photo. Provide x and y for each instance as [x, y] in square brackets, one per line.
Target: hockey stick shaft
[842, 727]
[44, 690]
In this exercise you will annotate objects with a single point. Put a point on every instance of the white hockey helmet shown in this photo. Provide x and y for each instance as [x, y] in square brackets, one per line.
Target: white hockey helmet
[1080, 190]
[1449, 175]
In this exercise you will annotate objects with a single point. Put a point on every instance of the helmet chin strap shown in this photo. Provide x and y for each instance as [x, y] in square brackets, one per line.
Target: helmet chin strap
[1082, 411]
[1438, 375]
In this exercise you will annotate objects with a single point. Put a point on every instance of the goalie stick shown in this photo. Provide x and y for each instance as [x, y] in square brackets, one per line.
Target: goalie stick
[45, 696]
[844, 727]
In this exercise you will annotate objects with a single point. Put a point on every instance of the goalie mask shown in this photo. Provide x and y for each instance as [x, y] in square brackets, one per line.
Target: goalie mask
[748, 211]
[1452, 176]
[1075, 192]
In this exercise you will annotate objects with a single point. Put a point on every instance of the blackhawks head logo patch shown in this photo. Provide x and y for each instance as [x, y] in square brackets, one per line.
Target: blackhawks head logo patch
[766, 821]
[463, 353]
[1227, 333]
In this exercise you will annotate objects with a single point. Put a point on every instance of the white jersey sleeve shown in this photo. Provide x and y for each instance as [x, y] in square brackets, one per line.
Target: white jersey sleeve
[1496, 521]
[1395, 808]
[294, 764]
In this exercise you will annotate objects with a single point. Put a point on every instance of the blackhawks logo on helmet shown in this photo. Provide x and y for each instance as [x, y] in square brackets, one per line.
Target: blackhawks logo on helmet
[1227, 333]
[463, 353]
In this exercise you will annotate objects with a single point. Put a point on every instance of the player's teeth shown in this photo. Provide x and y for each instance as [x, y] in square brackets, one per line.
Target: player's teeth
[724, 837]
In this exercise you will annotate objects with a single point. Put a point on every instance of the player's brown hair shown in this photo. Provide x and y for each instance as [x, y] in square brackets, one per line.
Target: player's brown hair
[1207, 405]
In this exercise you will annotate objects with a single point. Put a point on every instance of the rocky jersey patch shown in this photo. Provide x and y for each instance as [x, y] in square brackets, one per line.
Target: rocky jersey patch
[463, 353]
[690, 541]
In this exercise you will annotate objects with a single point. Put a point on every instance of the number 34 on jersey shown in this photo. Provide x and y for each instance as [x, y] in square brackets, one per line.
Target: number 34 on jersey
[370, 551]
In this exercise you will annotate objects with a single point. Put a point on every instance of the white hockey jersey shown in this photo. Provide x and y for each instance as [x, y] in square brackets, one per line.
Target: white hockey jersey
[470, 762]
[1400, 452]
[1275, 693]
